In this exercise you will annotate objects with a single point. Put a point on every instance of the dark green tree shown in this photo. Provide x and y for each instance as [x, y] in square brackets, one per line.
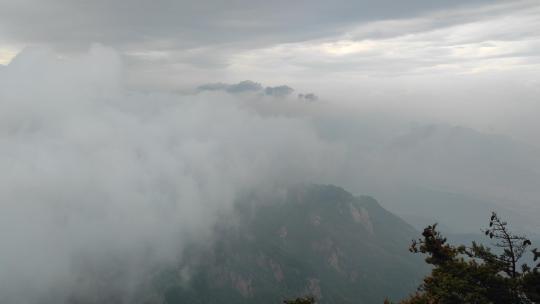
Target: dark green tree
[302, 300]
[513, 246]
[475, 274]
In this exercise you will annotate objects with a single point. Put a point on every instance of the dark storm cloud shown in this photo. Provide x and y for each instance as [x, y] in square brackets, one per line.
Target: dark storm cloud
[168, 24]
[164, 40]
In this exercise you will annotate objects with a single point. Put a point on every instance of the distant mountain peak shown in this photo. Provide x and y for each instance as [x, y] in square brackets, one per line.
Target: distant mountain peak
[318, 239]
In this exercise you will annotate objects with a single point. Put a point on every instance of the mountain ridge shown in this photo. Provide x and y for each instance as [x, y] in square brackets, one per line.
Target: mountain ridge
[317, 239]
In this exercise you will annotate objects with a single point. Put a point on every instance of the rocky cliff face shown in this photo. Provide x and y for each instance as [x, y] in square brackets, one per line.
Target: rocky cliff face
[317, 240]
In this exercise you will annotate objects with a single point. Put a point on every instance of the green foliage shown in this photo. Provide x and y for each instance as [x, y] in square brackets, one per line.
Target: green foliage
[303, 300]
[318, 240]
[531, 286]
[513, 246]
[475, 274]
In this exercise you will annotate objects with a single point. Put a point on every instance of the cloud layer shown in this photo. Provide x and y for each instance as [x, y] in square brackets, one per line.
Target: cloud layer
[91, 172]
[96, 165]
[98, 177]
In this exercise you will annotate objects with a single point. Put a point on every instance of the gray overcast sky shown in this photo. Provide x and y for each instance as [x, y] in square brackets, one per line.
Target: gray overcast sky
[108, 148]
[466, 62]
[184, 23]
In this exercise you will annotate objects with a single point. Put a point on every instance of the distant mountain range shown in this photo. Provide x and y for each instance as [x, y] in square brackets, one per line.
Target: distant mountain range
[312, 240]
[440, 173]
[457, 176]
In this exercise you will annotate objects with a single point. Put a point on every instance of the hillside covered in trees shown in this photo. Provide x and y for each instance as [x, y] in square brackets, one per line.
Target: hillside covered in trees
[474, 274]
[316, 240]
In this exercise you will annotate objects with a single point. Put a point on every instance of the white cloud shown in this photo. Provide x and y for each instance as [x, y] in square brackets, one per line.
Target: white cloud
[7, 54]
[89, 166]
[466, 66]
[89, 170]
[467, 40]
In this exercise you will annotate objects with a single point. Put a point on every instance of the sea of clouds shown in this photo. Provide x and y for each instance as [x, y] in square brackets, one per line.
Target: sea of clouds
[102, 185]
[100, 181]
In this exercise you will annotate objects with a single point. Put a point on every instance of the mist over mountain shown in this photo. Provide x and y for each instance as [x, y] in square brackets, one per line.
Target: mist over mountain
[310, 240]
[92, 172]
[95, 173]
[482, 172]
[425, 170]
[210, 151]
